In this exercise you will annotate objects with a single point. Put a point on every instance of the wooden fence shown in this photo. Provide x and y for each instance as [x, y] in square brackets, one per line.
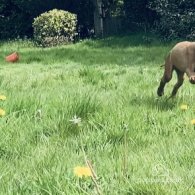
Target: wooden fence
[112, 25]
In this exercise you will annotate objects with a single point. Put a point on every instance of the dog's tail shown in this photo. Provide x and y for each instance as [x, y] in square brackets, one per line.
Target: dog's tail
[167, 60]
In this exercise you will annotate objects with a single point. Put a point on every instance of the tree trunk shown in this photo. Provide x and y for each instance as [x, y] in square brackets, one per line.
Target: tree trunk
[98, 20]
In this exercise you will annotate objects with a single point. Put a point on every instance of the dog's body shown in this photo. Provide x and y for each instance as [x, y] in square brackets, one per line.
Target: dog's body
[181, 59]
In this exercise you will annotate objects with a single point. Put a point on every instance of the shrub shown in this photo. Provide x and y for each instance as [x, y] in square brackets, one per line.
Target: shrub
[54, 27]
[176, 18]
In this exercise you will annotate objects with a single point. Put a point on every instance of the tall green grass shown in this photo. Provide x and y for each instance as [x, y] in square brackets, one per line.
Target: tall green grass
[137, 143]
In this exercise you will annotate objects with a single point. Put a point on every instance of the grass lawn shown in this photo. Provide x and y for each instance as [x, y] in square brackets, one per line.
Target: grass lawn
[137, 143]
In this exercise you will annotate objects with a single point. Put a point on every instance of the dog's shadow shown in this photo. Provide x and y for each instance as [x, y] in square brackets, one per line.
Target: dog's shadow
[164, 103]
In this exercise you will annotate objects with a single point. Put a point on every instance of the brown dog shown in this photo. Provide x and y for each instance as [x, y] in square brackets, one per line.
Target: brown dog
[181, 59]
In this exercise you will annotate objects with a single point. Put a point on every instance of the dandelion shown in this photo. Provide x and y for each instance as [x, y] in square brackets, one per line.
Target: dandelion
[82, 171]
[2, 112]
[76, 120]
[193, 121]
[184, 107]
[38, 114]
[125, 126]
[2, 97]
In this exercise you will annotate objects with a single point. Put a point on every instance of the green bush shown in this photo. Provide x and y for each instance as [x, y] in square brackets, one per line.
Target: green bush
[176, 18]
[54, 27]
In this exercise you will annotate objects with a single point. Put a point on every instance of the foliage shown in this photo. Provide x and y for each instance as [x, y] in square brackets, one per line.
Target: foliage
[54, 27]
[84, 10]
[173, 18]
[113, 7]
[137, 14]
[16, 16]
[176, 18]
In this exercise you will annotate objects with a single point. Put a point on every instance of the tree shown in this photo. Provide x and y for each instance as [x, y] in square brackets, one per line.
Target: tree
[138, 15]
[16, 16]
[98, 17]
[176, 18]
[104, 9]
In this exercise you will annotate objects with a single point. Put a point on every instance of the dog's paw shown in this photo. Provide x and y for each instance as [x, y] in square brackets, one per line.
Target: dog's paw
[160, 92]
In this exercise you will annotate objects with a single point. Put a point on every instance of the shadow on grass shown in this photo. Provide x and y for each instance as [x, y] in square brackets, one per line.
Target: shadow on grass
[132, 40]
[87, 56]
[164, 103]
[154, 102]
[130, 50]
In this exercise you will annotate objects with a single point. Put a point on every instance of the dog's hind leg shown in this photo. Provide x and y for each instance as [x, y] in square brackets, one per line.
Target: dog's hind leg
[180, 79]
[191, 74]
[190, 71]
[166, 76]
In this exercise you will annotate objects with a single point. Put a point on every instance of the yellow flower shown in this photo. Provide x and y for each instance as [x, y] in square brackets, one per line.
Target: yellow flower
[2, 112]
[193, 121]
[2, 97]
[82, 171]
[184, 107]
